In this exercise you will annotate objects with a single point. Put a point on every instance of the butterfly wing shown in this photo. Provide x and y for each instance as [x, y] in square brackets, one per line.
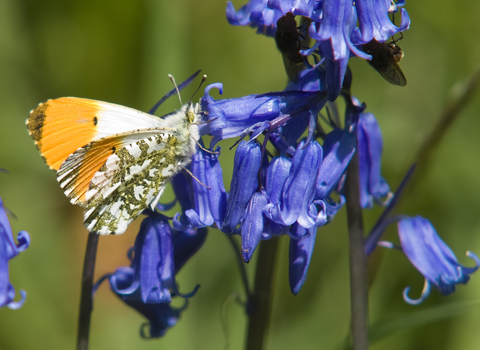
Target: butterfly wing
[59, 127]
[111, 159]
[78, 170]
[132, 179]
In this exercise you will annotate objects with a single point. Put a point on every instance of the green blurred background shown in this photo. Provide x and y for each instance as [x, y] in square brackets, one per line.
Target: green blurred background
[121, 51]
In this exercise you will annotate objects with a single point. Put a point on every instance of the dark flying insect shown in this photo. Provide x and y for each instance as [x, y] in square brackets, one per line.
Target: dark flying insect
[385, 58]
[288, 42]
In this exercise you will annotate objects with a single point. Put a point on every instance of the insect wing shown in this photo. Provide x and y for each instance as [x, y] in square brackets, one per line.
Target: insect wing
[394, 75]
[79, 169]
[61, 126]
[131, 179]
[288, 42]
[385, 58]
[111, 159]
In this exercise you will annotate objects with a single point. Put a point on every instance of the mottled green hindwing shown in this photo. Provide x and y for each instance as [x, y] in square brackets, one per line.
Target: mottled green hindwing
[132, 179]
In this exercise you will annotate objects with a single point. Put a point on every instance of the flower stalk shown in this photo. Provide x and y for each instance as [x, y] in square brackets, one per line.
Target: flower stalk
[358, 258]
[259, 306]
[86, 294]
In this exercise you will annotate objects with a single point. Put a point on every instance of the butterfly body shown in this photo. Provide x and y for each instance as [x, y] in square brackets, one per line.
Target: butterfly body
[112, 160]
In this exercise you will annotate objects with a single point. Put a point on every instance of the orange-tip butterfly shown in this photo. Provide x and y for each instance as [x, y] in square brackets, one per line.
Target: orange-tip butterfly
[113, 160]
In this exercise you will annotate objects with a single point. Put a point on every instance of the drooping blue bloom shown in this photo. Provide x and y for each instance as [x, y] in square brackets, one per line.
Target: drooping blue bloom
[244, 184]
[370, 146]
[208, 192]
[297, 203]
[8, 250]
[255, 14]
[161, 316]
[305, 8]
[300, 255]
[339, 147]
[254, 113]
[375, 23]
[333, 27]
[253, 224]
[149, 283]
[432, 258]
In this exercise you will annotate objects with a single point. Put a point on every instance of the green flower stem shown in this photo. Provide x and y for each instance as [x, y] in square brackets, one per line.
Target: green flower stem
[86, 297]
[241, 266]
[358, 259]
[260, 302]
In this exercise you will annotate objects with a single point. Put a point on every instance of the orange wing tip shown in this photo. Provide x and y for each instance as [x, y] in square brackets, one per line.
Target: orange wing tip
[61, 126]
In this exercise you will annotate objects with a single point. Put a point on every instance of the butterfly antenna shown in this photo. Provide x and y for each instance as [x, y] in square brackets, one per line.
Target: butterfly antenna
[193, 176]
[176, 87]
[198, 88]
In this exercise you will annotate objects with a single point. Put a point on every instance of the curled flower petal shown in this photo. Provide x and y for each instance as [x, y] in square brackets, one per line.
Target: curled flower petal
[432, 257]
[424, 295]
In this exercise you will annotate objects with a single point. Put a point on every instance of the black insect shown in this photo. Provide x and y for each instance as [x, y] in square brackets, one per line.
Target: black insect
[385, 58]
[288, 41]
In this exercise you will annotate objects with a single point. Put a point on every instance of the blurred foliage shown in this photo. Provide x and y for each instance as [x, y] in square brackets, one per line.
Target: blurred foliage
[121, 51]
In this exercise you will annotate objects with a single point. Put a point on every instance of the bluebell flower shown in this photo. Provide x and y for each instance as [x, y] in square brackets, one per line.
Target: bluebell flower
[254, 113]
[253, 224]
[310, 79]
[370, 146]
[375, 23]
[306, 8]
[161, 316]
[8, 250]
[432, 258]
[297, 202]
[339, 146]
[255, 14]
[148, 285]
[209, 197]
[333, 27]
[244, 184]
[300, 254]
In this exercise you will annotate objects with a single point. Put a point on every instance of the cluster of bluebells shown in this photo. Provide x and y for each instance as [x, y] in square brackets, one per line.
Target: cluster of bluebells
[292, 181]
[333, 28]
[8, 250]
